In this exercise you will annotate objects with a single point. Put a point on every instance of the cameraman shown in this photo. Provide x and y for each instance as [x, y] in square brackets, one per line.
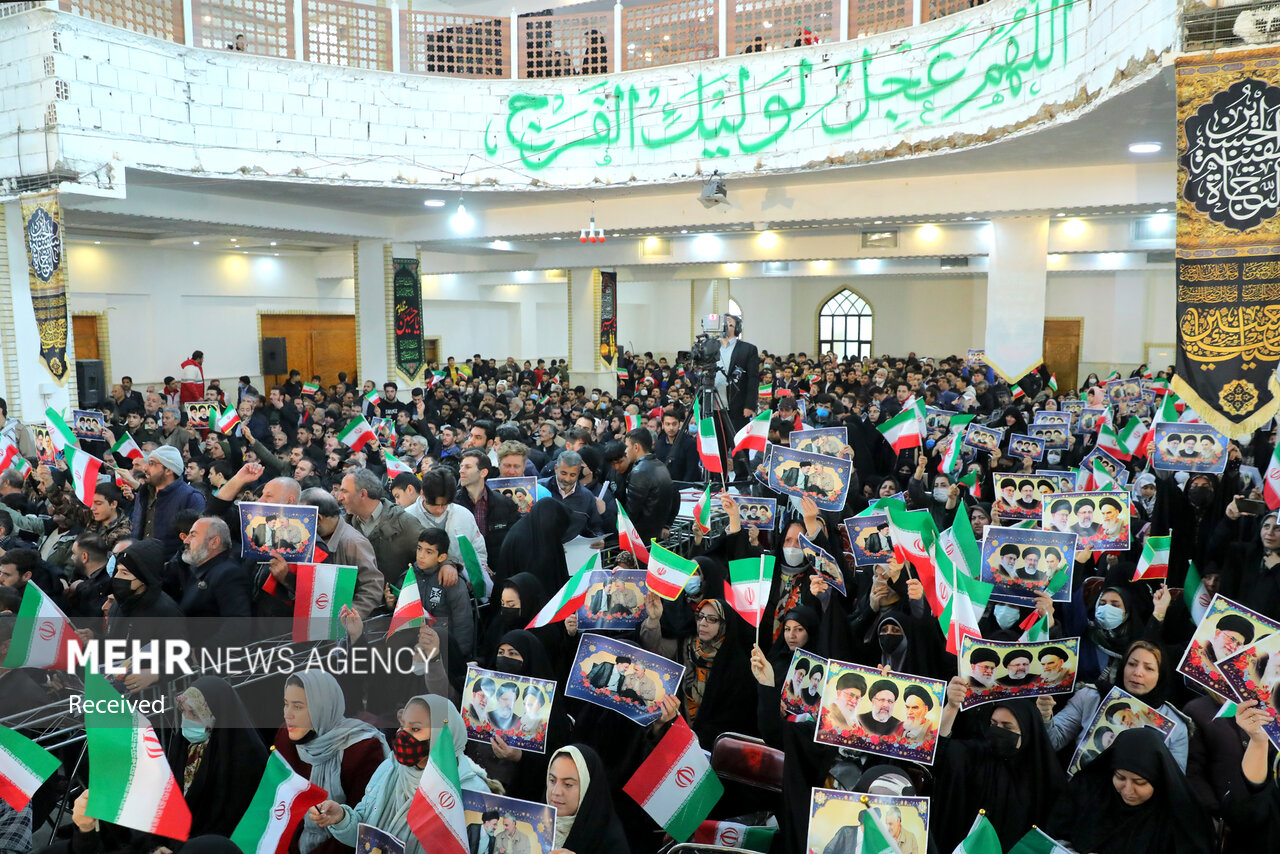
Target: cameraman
[737, 375]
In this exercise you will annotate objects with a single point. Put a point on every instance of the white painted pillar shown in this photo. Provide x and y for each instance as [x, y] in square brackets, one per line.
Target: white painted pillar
[843, 24]
[396, 59]
[372, 312]
[188, 24]
[722, 38]
[1016, 282]
[619, 37]
[299, 34]
[514, 46]
[916, 11]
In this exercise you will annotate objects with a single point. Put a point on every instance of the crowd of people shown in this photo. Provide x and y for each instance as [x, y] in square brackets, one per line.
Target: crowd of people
[160, 544]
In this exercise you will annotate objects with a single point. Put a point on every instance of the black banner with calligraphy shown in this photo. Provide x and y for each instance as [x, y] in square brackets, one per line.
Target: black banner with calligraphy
[608, 318]
[47, 276]
[1228, 247]
[406, 301]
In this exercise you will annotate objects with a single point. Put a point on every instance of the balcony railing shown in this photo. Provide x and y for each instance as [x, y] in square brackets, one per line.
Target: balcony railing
[400, 35]
[1208, 27]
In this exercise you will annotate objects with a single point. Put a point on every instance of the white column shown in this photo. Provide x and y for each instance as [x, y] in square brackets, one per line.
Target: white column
[585, 368]
[299, 34]
[916, 11]
[619, 41]
[372, 312]
[1016, 283]
[722, 39]
[843, 24]
[188, 24]
[514, 47]
[395, 37]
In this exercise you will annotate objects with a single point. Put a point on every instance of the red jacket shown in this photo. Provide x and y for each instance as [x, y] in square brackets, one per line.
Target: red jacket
[192, 382]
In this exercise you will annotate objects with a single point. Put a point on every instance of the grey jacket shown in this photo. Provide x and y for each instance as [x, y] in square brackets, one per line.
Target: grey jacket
[393, 533]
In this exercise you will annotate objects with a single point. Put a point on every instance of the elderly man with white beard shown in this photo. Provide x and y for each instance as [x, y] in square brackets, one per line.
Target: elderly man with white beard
[1053, 666]
[916, 727]
[982, 668]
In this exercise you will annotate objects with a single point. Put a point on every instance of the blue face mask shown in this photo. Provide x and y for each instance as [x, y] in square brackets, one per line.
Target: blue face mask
[1006, 615]
[929, 443]
[194, 733]
[1108, 616]
[823, 413]
[693, 586]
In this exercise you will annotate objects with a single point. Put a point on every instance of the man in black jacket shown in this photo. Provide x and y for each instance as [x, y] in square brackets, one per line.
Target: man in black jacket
[494, 512]
[738, 375]
[675, 447]
[565, 488]
[650, 499]
[216, 591]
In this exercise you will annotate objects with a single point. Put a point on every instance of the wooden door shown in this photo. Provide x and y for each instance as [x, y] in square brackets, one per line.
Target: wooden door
[84, 330]
[323, 344]
[1062, 340]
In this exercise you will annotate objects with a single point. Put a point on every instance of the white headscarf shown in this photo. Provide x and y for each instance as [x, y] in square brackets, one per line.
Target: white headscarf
[564, 823]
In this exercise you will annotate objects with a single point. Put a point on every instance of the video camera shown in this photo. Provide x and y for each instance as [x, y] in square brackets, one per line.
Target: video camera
[705, 349]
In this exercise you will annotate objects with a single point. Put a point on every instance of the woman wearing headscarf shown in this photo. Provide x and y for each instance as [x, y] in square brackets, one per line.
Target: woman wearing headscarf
[1133, 797]
[386, 800]
[1251, 565]
[336, 753]
[1252, 805]
[535, 544]
[717, 674]
[519, 598]
[577, 786]
[799, 631]
[1143, 494]
[1113, 626]
[1011, 771]
[215, 752]
[1145, 674]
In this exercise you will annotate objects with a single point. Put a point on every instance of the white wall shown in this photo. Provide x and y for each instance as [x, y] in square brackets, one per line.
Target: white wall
[162, 302]
[1123, 311]
[471, 315]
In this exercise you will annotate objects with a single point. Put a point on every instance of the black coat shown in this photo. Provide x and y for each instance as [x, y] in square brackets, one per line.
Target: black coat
[680, 456]
[651, 499]
[218, 601]
[744, 382]
[502, 514]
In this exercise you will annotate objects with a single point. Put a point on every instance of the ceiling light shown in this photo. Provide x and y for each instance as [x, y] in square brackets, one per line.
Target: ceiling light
[500, 245]
[1073, 227]
[651, 243]
[928, 233]
[277, 254]
[1054, 258]
[684, 231]
[821, 265]
[1144, 147]
[97, 243]
[767, 239]
[234, 239]
[433, 203]
[731, 267]
[557, 238]
[706, 245]
[878, 222]
[1162, 210]
[195, 243]
[461, 221]
[1060, 213]
[273, 243]
[968, 219]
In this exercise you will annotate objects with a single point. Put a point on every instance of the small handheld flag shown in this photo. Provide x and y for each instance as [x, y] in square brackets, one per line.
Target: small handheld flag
[281, 800]
[668, 572]
[24, 766]
[675, 784]
[323, 589]
[629, 538]
[702, 511]
[1154, 563]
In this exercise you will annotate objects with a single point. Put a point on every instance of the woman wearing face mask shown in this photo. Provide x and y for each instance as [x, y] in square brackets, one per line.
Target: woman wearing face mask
[717, 675]
[577, 786]
[337, 753]
[1011, 771]
[1145, 674]
[1108, 633]
[904, 642]
[1089, 382]
[1003, 622]
[1131, 798]
[218, 748]
[519, 598]
[386, 800]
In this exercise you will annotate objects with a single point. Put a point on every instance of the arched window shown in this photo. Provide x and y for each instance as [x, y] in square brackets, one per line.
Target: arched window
[844, 326]
[734, 308]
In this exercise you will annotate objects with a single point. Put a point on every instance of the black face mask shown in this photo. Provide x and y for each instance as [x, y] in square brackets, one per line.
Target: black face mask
[122, 589]
[1004, 744]
[889, 643]
[507, 664]
[1200, 496]
[510, 614]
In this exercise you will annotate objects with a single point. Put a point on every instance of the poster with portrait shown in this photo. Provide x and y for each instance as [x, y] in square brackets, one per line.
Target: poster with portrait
[87, 424]
[981, 438]
[1091, 418]
[1020, 496]
[200, 413]
[1025, 562]
[1073, 405]
[829, 441]
[1002, 670]
[522, 490]
[1254, 674]
[1119, 473]
[627, 679]
[835, 821]
[802, 690]
[512, 825]
[1056, 437]
[615, 599]
[938, 420]
[285, 529]
[385, 430]
[1100, 520]
[976, 359]
[799, 473]
[823, 563]
[888, 714]
[514, 707]
[1194, 448]
[373, 840]
[45, 448]
[1023, 446]
[1124, 391]
[870, 539]
[1226, 628]
[1117, 712]
[757, 513]
[1052, 418]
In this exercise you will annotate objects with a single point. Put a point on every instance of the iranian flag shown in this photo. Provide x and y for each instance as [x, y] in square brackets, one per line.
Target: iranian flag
[749, 582]
[959, 618]
[24, 766]
[1160, 385]
[708, 446]
[395, 465]
[282, 799]
[1035, 628]
[631, 421]
[437, 377]
[84, 468]
[914, 535]
[1154, 563]
[961, 546]
[982, 838]
[875, 837]
[436, 815]
[1053, 383]
[765, 392]
[127, 447]
[1124, 443]
[902, 431]
[1270, 481]
[1015, 391]
[702, 510]
[570, 597]
[356, 434]
[675, 784]
[754, 435]
[372, 397]
[623, 375]
[42, 634]
[10, 457]
[59, 433]
[951, 457]
[1036, 841]
[471, 563]
[971, 481]
[227, 421]
[322, 591]
[668, 572]
[730, 834]
[130, 783]
[409, 608]
[629, 537]
[1099, 479]
[310, 389]
[1114, 375]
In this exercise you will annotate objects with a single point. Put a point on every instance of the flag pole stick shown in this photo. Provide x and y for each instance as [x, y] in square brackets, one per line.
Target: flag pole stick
[62, 802]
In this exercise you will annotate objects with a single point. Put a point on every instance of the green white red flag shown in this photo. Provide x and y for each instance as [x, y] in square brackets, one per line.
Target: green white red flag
[471, 563]
[59, 433]
[372, 397]
[982, 838]
[967, 597]
[708, 445]
[1053, 383]
[395, 465]
[409, 608]
[1035, 628]
[902, 431]
[1015, 391]
[675, 784]
[730, 834]
[765, 392]
[914, 535]
[629, 537]
[227, 421]
[750, 580]
[127, 447]
[754, 435]
[310, 389]
[1036, 841]
[84, 468]
[569, 598]
[24, 766]
[43, 637]
[1099, 478]
[130, 783]
[875, 837]
[1125, 442]
[357, 433]
[952, 459]
[10, 458]
[632, 421]
[1271, 481]
[668, 572]
[702, 510]
[281, 800]
[1154, 563]
[321, 592]
[436, 814]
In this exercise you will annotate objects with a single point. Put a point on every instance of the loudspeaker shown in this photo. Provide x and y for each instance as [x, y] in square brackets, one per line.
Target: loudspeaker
[91, 381]
[274, 356]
